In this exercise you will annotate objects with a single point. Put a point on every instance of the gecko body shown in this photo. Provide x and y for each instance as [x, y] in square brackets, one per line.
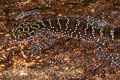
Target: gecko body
[63, 26]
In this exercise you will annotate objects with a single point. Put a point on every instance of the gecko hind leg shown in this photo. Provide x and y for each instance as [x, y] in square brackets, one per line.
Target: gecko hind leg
[108, 58]
[100, 45]
[23, 14]
[98, 23]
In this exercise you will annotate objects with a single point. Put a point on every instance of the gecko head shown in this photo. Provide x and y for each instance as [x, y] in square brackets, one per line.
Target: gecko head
[20, 33]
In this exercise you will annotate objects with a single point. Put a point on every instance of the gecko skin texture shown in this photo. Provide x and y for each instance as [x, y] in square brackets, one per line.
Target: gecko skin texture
[64, 26]
[90, 29]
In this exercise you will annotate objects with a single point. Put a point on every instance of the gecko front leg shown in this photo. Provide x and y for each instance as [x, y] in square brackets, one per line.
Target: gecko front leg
[23, 14]
[49, 40]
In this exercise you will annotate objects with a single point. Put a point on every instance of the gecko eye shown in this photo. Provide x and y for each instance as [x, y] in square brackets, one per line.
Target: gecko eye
[22, 36]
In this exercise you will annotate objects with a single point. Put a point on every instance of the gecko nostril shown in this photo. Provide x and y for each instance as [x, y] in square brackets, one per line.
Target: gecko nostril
[19, 29]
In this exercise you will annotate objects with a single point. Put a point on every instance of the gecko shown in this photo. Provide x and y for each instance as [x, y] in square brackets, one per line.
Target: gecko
[90, 29]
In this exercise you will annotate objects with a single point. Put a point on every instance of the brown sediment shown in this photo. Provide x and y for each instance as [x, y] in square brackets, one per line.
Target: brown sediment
[66, 59]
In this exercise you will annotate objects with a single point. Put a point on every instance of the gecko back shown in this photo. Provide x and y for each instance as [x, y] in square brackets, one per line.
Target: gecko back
[89, 29]
[63, 26]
